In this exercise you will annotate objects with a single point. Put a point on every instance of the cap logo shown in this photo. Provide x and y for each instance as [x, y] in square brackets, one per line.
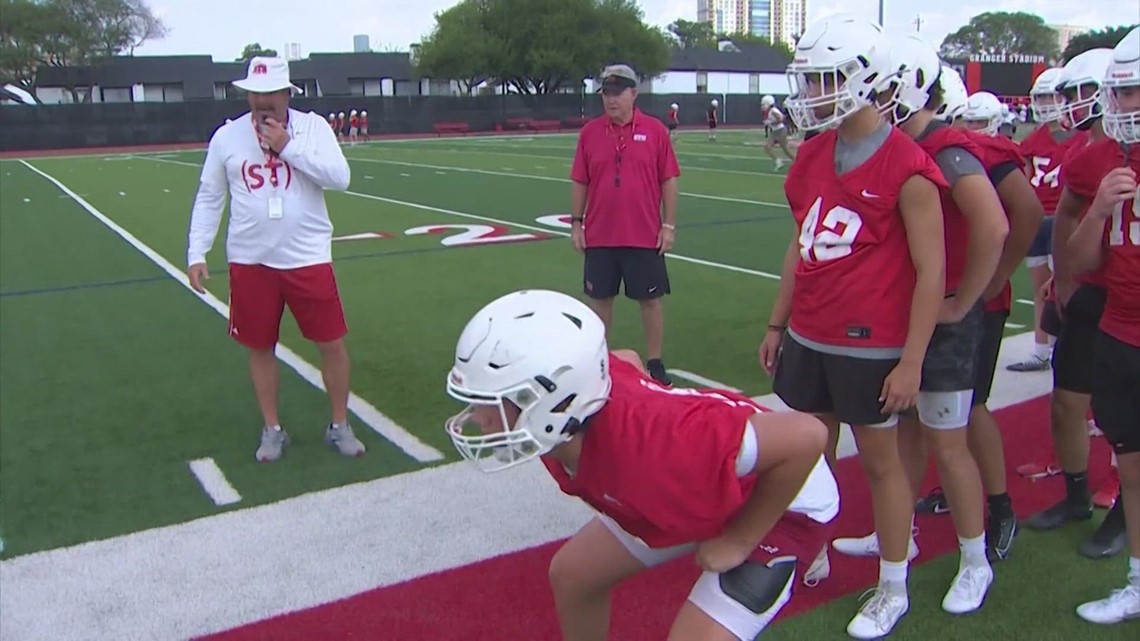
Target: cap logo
[260, 68]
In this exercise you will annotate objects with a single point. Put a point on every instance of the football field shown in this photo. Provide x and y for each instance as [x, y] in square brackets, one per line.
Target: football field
[130, 502]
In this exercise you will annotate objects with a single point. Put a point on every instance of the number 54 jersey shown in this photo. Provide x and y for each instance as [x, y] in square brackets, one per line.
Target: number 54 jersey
[1044, 155]
[854, 278]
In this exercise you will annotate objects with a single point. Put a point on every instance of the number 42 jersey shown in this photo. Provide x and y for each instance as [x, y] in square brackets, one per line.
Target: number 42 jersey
[854, 279]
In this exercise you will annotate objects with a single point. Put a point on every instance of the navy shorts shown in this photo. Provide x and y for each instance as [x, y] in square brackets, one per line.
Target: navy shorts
[1043, 242]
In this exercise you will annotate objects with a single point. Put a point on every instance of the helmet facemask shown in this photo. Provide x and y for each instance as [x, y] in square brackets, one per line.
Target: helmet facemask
[834, 97]
[1082, 105]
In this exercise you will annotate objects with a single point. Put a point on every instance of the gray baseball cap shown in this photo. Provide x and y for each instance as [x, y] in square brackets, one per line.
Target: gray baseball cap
[618, 77]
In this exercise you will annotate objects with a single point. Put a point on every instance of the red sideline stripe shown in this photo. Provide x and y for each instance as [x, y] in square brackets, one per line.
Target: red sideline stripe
[508, 599]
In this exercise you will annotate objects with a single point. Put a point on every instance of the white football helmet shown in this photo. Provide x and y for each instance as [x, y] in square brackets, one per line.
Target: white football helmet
[1122, 121]
[954, 95]
[363, 113]
[1080, 85]
[915, 68]
[674, 106]
[983, 113]
[543, 352]
[1047, 103]
[837, 65]
[714, 102]
[767, 102]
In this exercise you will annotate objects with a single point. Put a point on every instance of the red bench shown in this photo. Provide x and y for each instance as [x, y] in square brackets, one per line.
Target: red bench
[451, 128]
[546, 125]
[517, 123]
[575, 122]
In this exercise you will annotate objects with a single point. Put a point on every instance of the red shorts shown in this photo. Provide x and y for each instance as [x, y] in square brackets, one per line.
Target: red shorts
[796, 535]
[259, 294]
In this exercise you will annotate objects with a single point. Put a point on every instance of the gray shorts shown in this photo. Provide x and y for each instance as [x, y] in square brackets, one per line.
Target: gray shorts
[952, 353]
[780, 135]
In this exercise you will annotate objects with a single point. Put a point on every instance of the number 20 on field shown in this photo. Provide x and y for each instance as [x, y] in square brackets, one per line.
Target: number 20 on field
[471, 234]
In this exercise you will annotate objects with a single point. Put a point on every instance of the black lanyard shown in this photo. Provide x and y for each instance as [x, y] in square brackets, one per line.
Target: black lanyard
[619, 145]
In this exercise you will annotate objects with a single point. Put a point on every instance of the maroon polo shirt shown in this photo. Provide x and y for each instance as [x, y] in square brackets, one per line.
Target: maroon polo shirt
[623, 168]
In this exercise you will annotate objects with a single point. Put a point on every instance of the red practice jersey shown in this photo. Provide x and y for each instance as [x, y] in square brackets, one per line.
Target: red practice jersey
[672, 115]
[957, 230]
[1083, 182]
[854, 279]
[1043, 157]
[997, 151]
[662, 462]
[1120, 274]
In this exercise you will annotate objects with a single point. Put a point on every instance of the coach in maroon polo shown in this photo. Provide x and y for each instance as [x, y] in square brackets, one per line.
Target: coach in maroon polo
[623, 206]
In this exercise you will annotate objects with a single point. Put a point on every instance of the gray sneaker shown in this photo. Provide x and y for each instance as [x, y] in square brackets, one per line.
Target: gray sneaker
[272, 443]
[1032, 364]
[342, 438]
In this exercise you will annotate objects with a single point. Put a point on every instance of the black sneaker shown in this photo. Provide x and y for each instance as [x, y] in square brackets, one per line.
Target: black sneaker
[657, 372]
[1000, 533]
[1110, 538]
[933, 503]
[1059, 514]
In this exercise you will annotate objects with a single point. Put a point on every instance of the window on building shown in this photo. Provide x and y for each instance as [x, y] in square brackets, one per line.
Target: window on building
[115, 94]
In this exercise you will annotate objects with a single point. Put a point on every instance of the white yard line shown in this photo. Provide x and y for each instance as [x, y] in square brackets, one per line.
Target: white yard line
[515, 174]
[499, 221]
[214, 482]
[701, 380]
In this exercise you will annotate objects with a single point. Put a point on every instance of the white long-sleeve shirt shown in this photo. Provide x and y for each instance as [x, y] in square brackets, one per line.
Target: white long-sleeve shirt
[310, 163]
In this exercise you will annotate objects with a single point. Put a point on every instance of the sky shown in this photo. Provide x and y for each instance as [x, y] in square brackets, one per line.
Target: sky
[221, 28]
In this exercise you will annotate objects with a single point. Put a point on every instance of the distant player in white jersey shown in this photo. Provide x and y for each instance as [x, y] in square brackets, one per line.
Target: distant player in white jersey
[774, 121]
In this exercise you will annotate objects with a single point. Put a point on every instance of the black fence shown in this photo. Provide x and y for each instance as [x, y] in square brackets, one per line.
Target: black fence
[71, 126]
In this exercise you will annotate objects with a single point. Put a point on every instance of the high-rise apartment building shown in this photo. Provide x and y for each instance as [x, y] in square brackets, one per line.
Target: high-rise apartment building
[789, 20]
[777, 20]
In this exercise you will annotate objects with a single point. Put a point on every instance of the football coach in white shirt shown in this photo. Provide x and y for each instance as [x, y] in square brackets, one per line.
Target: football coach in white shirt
[275, 163]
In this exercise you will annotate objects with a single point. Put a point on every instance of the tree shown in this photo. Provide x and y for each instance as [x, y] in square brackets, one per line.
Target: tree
[1002, 33]
[24, 33]
[255, 49]
[69, 34]
[692, 35]
[539, 46]
[458, 47]
[1107, 38]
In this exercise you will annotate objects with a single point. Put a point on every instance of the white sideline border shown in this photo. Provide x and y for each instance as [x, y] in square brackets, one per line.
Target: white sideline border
[372, 417]
[245, 565]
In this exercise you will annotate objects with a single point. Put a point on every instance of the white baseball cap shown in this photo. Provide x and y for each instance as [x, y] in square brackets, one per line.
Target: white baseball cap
[267, 75]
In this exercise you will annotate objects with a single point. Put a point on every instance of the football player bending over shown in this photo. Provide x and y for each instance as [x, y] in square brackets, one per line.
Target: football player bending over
[670, 471]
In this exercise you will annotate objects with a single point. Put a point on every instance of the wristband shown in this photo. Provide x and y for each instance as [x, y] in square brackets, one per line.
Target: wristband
[775, 328]
[668, 226]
